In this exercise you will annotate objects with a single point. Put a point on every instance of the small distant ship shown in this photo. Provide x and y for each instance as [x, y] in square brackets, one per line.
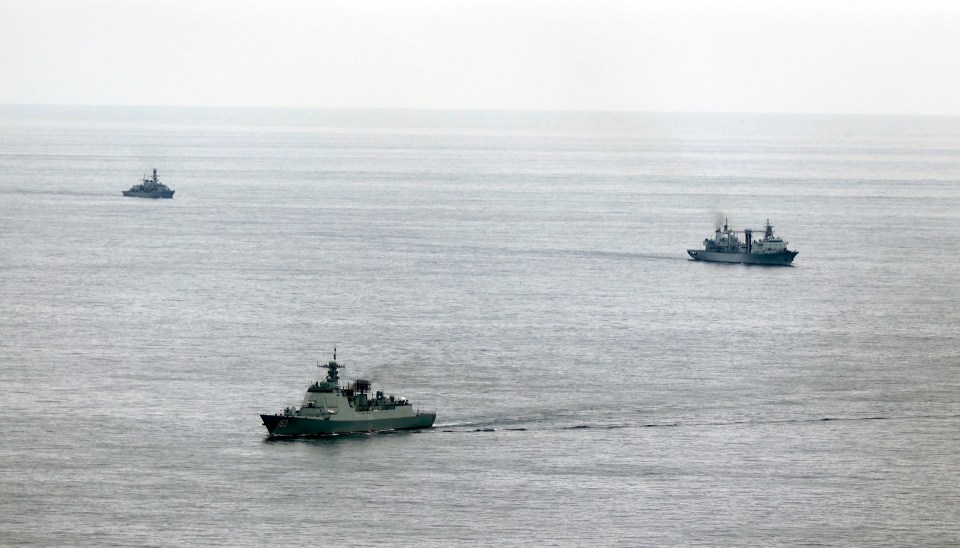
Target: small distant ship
[329, 408]
[726, 247]
[150, 188]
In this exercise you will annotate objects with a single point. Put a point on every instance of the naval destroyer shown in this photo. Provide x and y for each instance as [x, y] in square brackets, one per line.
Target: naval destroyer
[150, 188]
[726, 247]
[329, 408]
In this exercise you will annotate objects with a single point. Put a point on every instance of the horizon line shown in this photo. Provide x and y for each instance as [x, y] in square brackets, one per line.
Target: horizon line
[475, 109]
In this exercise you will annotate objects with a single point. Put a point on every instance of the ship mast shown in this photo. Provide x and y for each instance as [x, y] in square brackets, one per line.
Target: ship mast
[332, 376]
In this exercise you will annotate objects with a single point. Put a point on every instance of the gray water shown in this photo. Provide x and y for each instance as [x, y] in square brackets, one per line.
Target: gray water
[523, 274]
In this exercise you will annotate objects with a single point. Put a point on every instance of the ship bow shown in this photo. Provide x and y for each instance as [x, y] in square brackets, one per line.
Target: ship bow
[271, 422]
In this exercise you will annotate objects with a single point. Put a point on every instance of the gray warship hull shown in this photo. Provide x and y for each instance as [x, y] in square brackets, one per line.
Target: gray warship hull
[154, 194]
[784, 258]
[286, 426]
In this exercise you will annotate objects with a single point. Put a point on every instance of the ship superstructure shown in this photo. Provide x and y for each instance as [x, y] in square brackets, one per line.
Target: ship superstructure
[150, 188]
[727, 247]
[329, 408]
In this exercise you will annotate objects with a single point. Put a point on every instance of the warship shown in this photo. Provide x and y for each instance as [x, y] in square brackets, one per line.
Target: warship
[726, 247]
[329, 408]
[150, 188]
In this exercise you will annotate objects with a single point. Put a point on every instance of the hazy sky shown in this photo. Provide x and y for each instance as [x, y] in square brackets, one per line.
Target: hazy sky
[676, 55]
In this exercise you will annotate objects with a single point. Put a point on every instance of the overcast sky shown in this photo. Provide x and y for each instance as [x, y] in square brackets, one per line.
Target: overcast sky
[671, 55]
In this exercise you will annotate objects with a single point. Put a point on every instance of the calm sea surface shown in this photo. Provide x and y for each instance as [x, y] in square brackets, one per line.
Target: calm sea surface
[523, 274]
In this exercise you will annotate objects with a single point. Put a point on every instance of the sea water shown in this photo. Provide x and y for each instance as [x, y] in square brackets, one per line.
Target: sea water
[525, 275]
